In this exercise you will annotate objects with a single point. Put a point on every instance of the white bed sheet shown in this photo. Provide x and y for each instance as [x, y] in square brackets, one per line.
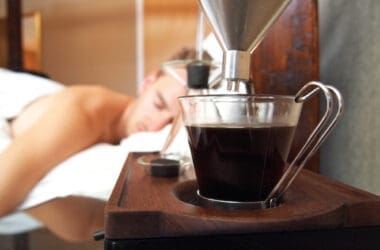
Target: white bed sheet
[94, 171]
[19, 89]
[91, 173]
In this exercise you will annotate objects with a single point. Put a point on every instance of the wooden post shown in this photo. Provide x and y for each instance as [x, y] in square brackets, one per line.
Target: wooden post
[15, 60]
[287, 59]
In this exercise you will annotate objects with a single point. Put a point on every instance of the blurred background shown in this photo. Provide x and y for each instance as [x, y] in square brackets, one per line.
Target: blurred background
[113, 43]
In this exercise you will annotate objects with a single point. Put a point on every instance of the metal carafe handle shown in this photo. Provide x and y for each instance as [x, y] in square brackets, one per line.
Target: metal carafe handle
[319, 134]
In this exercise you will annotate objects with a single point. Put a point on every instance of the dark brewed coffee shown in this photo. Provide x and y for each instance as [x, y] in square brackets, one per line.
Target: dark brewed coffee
[239, 163]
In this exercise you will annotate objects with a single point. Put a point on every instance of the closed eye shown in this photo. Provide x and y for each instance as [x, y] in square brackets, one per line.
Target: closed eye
[160, 102]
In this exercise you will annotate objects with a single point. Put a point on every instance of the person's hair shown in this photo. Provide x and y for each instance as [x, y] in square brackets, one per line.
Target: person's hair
[183, 54]
[188, 54]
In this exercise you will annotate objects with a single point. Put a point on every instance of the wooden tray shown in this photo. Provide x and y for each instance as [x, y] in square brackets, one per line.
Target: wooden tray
[142, 206]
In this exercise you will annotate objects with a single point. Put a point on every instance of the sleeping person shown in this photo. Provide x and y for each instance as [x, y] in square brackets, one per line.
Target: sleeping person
[45, 125]
[62, 148]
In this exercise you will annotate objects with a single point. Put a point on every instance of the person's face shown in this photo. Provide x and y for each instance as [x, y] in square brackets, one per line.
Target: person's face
[156, 106]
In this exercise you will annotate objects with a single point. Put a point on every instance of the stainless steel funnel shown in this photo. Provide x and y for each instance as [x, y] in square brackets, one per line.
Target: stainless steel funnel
[239, 26]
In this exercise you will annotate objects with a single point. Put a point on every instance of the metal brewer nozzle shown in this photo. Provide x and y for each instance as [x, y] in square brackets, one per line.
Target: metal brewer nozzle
[239, 26]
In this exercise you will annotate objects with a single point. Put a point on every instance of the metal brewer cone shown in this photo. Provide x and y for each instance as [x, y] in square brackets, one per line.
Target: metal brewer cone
[239, 26]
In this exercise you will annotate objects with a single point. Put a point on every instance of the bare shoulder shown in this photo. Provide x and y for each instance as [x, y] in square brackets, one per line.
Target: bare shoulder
[103, 108]
[92, 97]
[84, 91]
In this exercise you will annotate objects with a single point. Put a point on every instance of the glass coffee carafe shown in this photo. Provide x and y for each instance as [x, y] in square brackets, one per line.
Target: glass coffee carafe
[240, 144]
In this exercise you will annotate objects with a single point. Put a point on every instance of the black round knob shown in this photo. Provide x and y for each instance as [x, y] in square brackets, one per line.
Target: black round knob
[197, 75]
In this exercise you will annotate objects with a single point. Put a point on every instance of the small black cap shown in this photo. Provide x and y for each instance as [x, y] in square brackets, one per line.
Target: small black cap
[99, 235]
[162, 167]
[197, 75]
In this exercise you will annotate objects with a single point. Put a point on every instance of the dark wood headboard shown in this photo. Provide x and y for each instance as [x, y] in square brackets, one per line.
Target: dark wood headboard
[287, 59]
[15, 61]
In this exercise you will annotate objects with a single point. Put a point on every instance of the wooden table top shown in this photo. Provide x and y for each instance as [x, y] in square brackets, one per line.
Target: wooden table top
[142, 206]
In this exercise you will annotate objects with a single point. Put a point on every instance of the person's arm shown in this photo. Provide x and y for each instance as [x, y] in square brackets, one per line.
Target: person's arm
[74, 119]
